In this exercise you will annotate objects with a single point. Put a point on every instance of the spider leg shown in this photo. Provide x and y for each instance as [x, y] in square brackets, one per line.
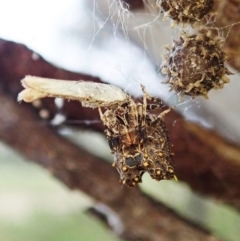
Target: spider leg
[142, 114]
[101, 115]
[142, 109]
[161, 115]
[157, 102]
[142, 123]
[107, 121]
[146, 95]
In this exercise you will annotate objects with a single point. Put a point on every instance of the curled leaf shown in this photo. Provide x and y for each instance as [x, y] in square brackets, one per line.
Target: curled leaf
[91, 94]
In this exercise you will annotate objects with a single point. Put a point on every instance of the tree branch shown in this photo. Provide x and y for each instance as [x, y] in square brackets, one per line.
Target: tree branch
[202, 158]
[142, 218]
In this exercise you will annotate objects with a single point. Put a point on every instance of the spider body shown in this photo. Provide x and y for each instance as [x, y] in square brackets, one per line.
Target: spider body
[138, 140]
[122, 126]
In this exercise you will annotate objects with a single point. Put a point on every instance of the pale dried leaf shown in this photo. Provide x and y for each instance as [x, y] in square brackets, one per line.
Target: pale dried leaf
[91, 94]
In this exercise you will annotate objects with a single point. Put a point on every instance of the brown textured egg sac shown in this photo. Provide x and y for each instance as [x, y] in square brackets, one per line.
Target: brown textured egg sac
[195, 64]
[185, 11]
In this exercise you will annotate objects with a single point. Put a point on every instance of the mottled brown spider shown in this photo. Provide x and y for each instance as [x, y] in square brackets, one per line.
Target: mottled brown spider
[139, 140]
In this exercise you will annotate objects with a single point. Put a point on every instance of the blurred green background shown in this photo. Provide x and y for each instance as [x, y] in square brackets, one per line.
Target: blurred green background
[35, 206]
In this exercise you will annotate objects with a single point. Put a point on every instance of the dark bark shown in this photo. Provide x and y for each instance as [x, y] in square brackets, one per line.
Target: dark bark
[134, 4]
[228, 22]
[207, 162]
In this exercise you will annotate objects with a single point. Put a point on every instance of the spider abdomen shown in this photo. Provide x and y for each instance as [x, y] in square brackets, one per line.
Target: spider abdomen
[138, 140]
[153, 156]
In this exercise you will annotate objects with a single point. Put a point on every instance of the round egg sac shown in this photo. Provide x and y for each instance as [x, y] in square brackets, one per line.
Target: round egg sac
[185, 11]
[195, 64]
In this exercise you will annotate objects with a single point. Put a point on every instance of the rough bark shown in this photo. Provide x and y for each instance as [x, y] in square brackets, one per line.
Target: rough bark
[207, 162]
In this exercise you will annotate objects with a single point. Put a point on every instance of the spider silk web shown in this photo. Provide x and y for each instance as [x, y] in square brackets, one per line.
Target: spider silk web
[104, 38]
[141, 36]
[122, 47]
